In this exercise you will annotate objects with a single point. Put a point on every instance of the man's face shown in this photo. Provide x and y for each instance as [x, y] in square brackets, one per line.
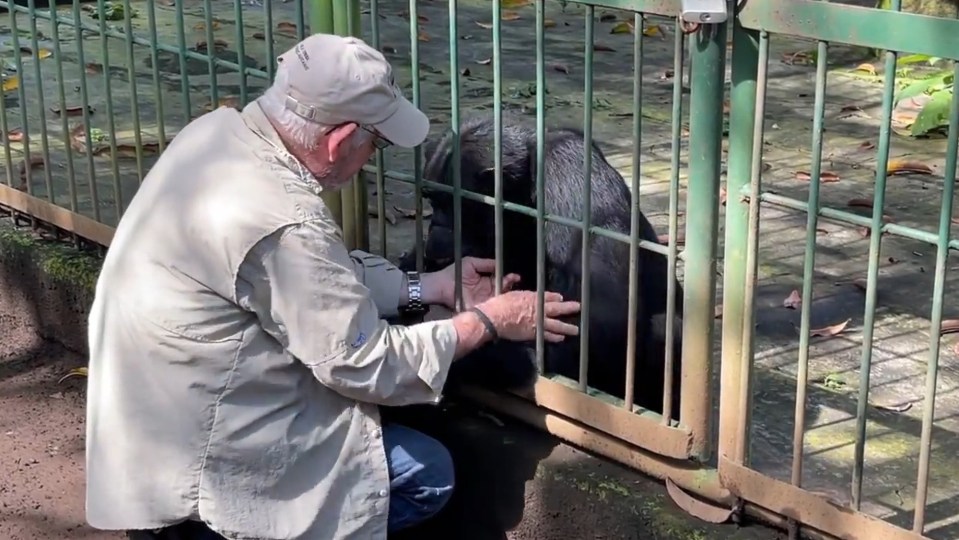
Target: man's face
[349, 157]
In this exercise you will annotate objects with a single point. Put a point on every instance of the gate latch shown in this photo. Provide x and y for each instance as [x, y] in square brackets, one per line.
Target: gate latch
[704, 11]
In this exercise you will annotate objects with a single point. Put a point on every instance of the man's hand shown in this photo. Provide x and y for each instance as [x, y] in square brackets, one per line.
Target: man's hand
[478, 283]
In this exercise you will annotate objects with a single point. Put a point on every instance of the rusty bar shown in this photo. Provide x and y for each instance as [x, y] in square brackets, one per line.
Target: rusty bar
[633, 302]
[59, 216]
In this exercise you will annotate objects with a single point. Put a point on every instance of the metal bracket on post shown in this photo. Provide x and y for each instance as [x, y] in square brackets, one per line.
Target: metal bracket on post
[704, 11]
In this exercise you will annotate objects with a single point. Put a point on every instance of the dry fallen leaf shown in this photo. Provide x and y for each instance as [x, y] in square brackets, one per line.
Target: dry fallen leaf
[561, 68]
[825, 177]
[94, 68]
[422, 36]
[599, 47]
[11, 83]
[14, 135]
[484, 25]
[695, 507]
[486, 62]
[607, 17]
[218, 45]
[895, 408]
[74, 110]
[829, 331]
[624, 27]
[509, 16]
[199, 27]
[405, 14]
[793, 301]
[799, 57]
[228, 101]
[867, 67]
[652, 30]
[286, 27]
[548, 23]
[949, 326]
[867, 145]
[862, 203]
[904, 166]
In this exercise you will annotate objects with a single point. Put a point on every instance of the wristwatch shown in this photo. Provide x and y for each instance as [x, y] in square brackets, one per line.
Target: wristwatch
[415, 292]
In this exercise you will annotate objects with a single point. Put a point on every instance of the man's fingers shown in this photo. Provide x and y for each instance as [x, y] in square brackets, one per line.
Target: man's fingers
[509, 280]
[561, 309]
[559, 327]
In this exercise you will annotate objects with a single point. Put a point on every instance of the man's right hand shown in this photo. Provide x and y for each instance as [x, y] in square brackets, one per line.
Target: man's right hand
[513, 314]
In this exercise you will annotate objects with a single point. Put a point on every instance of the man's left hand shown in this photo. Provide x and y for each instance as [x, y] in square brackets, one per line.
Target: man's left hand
[478, 283]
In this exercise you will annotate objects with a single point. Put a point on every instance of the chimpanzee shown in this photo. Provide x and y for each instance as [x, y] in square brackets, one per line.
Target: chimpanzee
[506, 365]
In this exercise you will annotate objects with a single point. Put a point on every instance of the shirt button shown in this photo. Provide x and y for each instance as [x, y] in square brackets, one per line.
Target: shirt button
[383, 493]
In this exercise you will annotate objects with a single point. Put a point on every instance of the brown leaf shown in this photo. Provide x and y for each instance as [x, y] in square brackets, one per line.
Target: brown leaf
[218, 45]
[561, 68]
[862, 203]
[507, 16]
[829, 331]
[422, 36]
[286, 27]
[486, 62]
[405, 14]
[14, 135]
[850, 108]
[867, 145]
[94, 68]
[653, 30]
[548, 23]
[949, 326]
[798, 57]
[904, 166]
[484, 25]
[599, 47]
[867, 67]
[259, 35]
[624, 27]
[74, 110]
[200, 27]
[825, 177]
[895, 408]
[793, 301]
[696, 507]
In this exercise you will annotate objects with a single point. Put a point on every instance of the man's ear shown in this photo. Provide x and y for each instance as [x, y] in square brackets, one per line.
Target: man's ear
[336, 138]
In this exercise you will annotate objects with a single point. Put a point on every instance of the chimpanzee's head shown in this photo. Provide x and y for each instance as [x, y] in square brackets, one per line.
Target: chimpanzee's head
[477, 174]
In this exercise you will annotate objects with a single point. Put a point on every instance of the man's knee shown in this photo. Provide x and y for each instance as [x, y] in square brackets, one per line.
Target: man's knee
[421, 475]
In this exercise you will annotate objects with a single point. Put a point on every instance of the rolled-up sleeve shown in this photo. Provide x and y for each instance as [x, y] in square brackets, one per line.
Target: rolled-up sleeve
[382, 278]
[302, 284]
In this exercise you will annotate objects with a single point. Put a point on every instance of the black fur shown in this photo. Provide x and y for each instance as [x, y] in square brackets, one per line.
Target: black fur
[511, 365]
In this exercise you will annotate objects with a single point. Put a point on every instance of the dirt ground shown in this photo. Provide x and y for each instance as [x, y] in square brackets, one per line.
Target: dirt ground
[513, 482]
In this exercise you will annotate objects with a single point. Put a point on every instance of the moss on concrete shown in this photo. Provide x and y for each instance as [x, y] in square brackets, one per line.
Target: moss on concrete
[63, 264]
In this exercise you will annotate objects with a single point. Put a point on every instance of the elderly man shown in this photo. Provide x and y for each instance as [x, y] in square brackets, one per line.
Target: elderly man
[238, 352]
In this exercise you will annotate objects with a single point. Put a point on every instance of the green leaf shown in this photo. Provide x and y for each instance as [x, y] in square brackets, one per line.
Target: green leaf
[912, 59]
[933, 83]
[934, 114]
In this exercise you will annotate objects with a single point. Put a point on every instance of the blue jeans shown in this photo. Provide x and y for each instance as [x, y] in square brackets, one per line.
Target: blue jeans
[421, 476]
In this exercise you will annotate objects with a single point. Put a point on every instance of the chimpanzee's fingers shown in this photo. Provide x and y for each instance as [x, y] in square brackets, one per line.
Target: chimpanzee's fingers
[509, 280]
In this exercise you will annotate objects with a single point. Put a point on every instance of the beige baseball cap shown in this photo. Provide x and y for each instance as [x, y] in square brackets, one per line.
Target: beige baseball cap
[335, 80]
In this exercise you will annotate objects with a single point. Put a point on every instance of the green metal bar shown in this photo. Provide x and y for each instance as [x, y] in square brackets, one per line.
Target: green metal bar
[41, 102]
[27, 172]
[240, 50]
[872, 273]
[457, 172]
[157, 86]
[855, 25]
[211, 51]
[134, 99]
[667, 8]
[64, 123]
[380, 166]
[745, 62]
[270, 60]
[705, 164]
[935, 325]
[321, 16]
[417, 178]
[540, 191]
[5, 127]
[85, 103]
[111, 118]
[679, 60]
[498, 143]
[183, 55]
[301, 19]
[360, 192]
[633, 302]
[752, 239]
[655, 247]
[809, 269]
[587, 201]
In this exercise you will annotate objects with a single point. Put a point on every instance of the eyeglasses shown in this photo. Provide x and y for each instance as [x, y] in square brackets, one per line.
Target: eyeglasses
[379, 142]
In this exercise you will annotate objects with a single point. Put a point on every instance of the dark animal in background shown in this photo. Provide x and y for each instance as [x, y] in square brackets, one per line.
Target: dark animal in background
[507, 365]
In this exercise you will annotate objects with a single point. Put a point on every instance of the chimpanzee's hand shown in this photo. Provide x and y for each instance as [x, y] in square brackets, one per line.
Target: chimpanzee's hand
[478, 283]
[513, 314]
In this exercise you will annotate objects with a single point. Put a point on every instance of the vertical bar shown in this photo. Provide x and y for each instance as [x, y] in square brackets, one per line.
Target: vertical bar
[875, 239]
[540, 195]
[633, 306]
[351, 196]
[380, 166]
[64, 123]
[752, 240]
[809, 267]
[41, 102]
[268, 36]
[742, 110]
[301, 20]
[360, 192]
[587, 200]
[5, 127]
[211, 51]
[157, 84]
[679, 60]
[134, 99]
[418, 151]
[705, 160]
[321, 16]
[498, 143]
[111, 119]
[85, 103]
[935, 331]
[457, 173]
[322, 21]
[184, 76]
[22, 95]
[240, 50]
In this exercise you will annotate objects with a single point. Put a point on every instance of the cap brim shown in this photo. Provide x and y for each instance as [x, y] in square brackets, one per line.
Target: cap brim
[407, 127]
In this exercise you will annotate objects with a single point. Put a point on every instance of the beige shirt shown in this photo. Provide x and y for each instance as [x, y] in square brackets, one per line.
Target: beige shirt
[237, 351]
